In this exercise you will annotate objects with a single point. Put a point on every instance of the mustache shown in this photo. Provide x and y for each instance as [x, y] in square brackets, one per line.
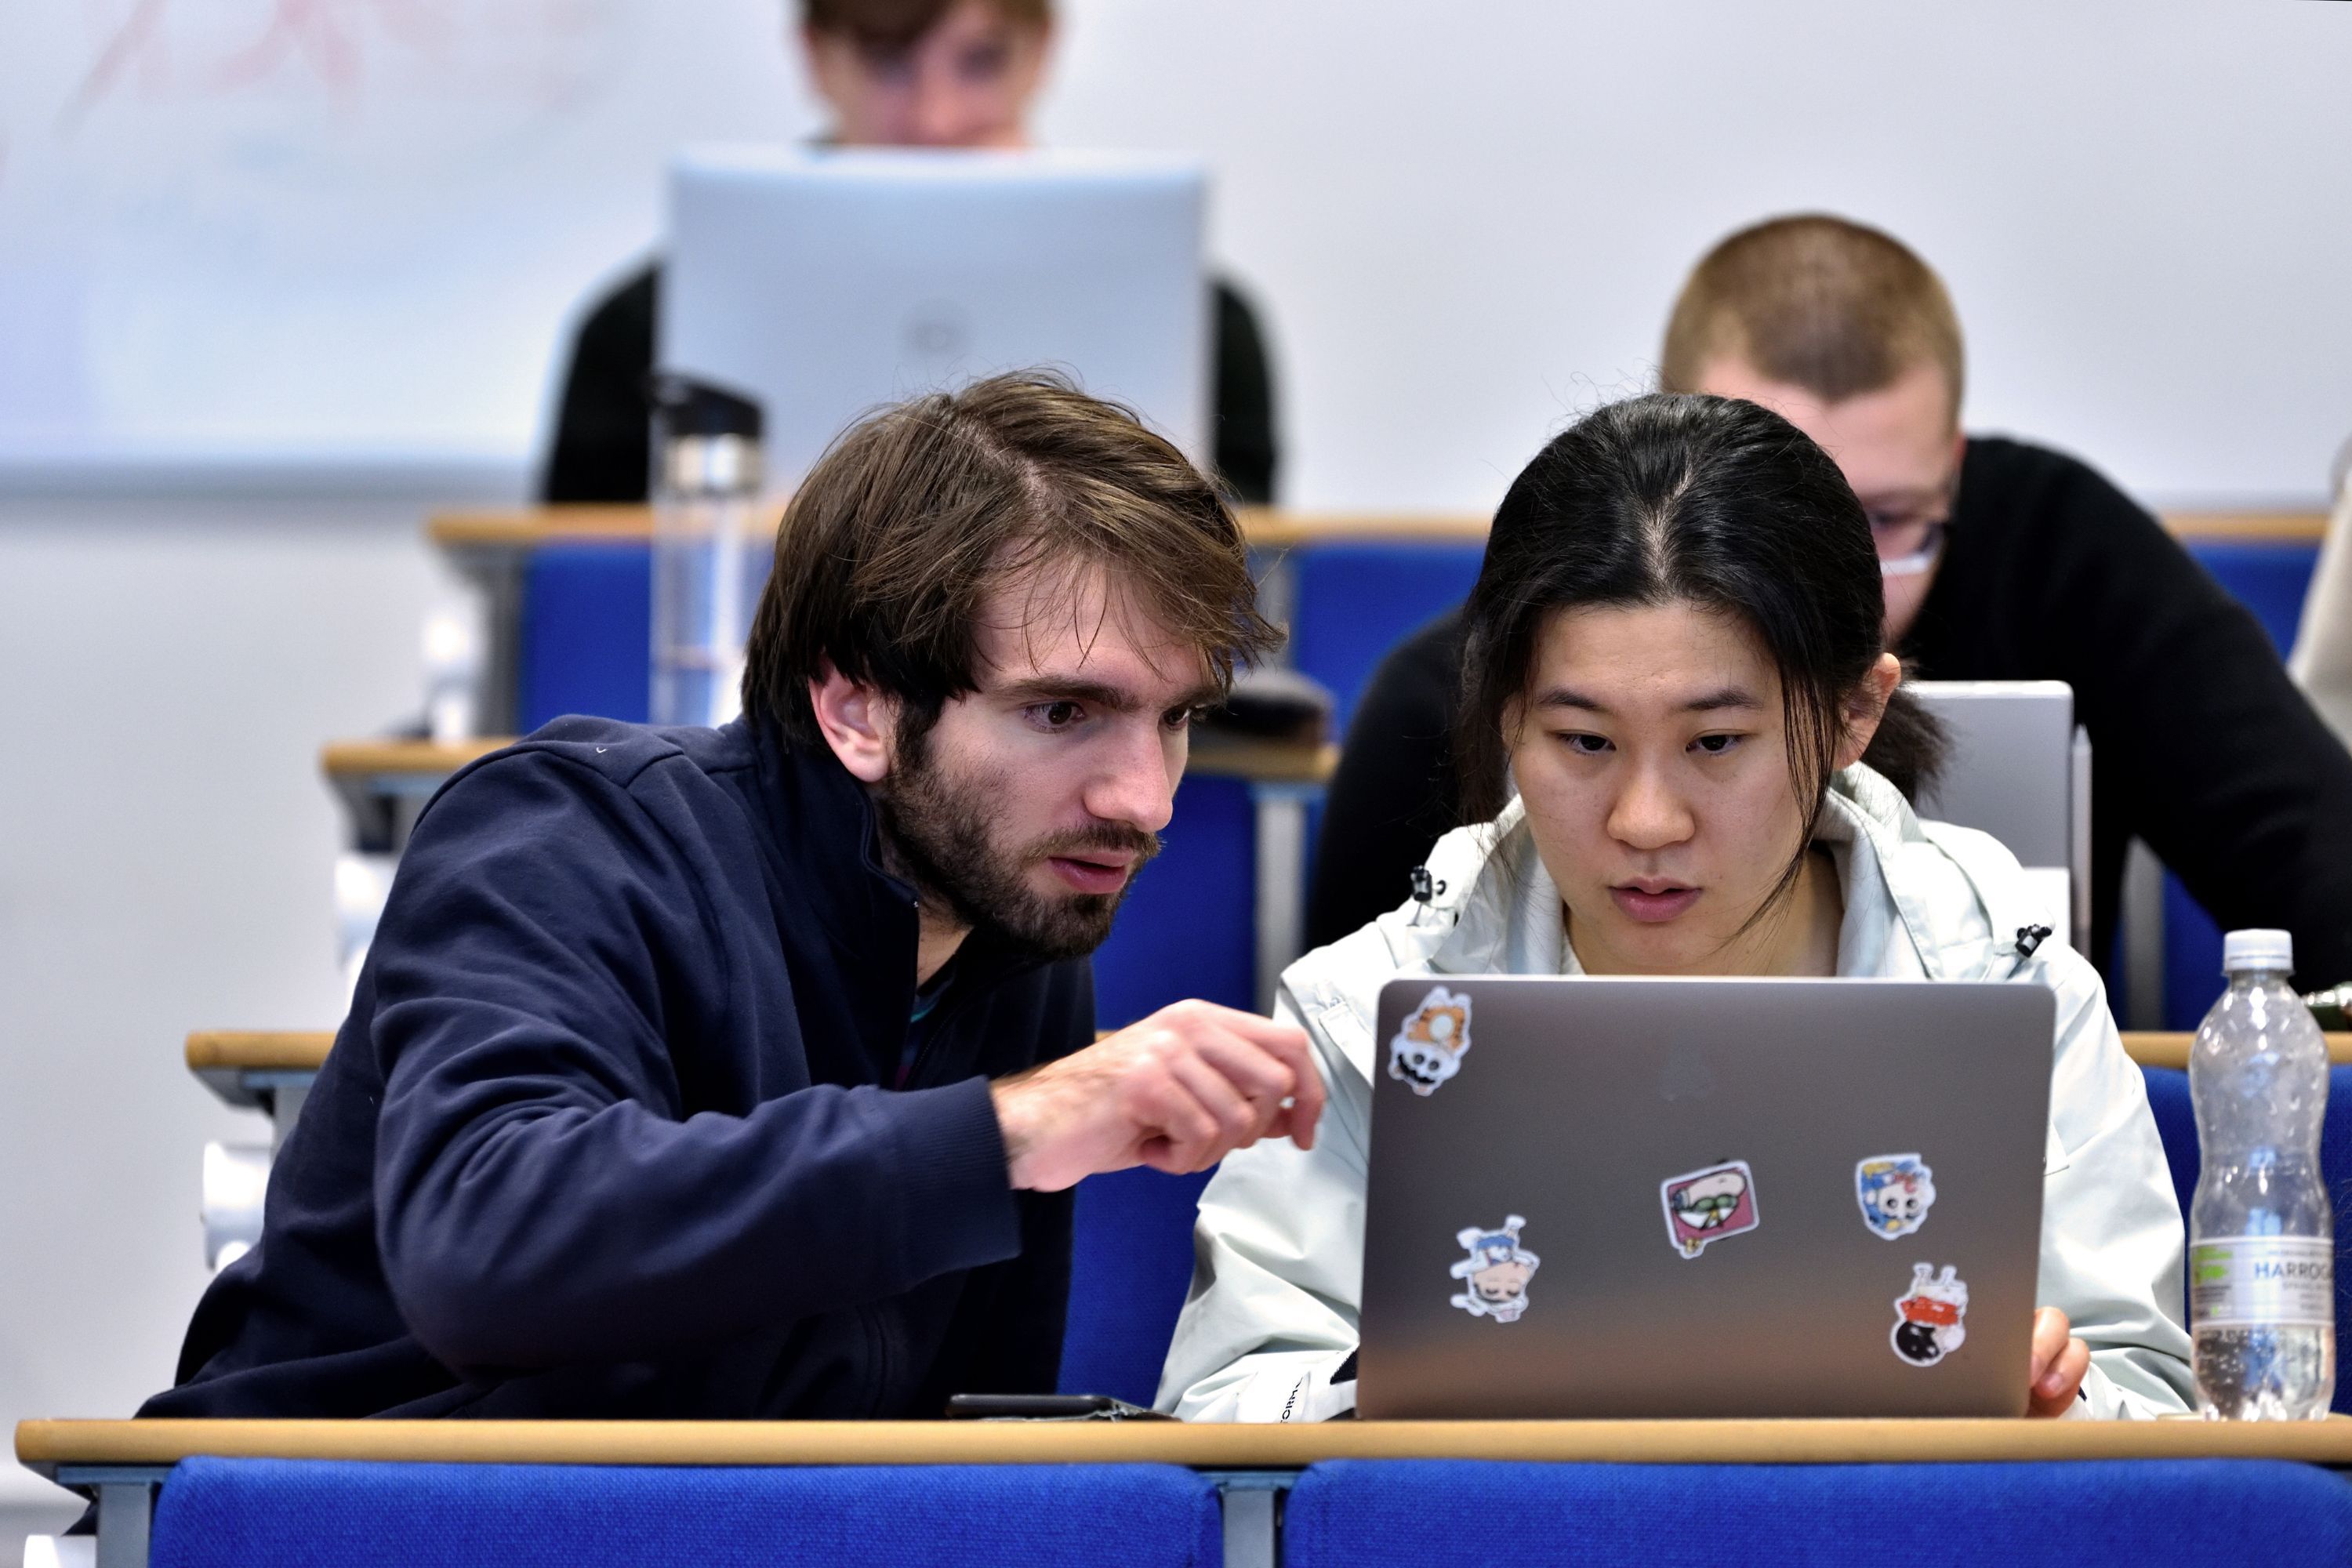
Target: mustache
[1114, 836]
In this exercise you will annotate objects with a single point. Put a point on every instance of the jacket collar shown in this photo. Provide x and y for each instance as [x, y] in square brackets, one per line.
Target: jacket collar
[826, 838]
[1918, 902]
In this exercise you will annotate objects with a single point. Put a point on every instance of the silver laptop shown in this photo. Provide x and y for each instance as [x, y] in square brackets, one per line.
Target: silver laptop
[1644, 1197]
[2019, 769]
[825, 283]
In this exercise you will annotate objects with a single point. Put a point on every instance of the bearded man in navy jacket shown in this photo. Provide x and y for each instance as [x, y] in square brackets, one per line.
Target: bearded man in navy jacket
[744, 1072]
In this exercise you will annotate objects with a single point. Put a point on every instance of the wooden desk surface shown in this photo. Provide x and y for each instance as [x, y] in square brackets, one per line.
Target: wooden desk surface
[257, 1050]
[44, 1445]
[1268, 528]
[1214, 755]
[2155, 1050]
[302, 1050]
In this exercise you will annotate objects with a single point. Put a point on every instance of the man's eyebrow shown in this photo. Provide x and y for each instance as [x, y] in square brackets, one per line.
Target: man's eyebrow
[1712, 702]
[1099, 693]
[1070, 688]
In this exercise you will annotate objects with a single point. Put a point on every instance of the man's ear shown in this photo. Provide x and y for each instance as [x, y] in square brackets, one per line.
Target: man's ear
[1865, 706]
[856, 720]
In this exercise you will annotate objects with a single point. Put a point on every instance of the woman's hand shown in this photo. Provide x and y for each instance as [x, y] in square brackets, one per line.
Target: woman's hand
[2060, 1365]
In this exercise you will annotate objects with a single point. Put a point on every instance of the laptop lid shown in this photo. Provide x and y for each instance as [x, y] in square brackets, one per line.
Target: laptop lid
[2009, 770]
[1717, 1198]
[826, 283]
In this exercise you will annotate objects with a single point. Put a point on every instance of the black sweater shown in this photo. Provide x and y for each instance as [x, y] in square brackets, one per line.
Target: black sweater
[2199, 744]
[604, 1133]
[603, 448]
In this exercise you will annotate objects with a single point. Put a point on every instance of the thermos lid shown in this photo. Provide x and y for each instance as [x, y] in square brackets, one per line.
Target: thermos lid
[689, 407]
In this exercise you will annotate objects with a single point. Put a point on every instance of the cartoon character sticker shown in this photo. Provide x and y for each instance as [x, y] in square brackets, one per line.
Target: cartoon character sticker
[1930, 1316]
[1705, 1207]
[1427, 1050]
[1496, 1271]
[1895, 1192]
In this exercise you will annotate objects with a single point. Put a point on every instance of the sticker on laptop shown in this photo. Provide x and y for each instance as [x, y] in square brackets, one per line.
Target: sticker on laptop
[1427, 1049]
[1496, 1271]
[1895, 1192]
[1705, 1207]
[1930, 1317]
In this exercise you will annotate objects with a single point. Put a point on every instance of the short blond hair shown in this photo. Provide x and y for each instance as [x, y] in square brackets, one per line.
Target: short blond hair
[1817, 301]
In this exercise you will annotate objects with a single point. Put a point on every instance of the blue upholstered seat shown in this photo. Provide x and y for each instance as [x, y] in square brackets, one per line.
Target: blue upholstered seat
[2136, 1514]
[1355, 600]
[2269, 577]
[280, 1513]
[1188, 927]
[1131, 1263]
[2176, 1122]
[587, 633]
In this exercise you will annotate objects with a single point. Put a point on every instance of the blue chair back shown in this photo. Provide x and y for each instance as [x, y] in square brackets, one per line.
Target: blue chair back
[281, 1513]
[587, 632]
[2137, 1513]
[2176, 1122]
[2270, 578]
[1355, 600]
[1131, 1265]
[1188, 928]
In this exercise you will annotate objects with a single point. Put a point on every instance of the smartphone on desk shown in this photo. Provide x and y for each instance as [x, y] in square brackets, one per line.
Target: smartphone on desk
[1046, 1407]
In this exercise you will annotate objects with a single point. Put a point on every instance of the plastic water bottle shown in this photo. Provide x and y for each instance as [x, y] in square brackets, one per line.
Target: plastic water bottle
[714, 538]
[2261, 1238]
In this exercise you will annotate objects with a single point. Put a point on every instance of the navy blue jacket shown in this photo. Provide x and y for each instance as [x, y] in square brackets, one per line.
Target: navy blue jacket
[605, 1133]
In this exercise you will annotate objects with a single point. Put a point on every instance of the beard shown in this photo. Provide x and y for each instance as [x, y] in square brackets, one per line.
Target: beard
[939, 827]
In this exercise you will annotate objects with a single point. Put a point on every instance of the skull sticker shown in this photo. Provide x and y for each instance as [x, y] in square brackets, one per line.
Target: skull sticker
[1930, 1316]
[1427, 1050]
[1895, 1192]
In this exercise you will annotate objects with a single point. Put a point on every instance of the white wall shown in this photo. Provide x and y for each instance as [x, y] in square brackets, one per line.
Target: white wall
[165, 849]
[1463, 223]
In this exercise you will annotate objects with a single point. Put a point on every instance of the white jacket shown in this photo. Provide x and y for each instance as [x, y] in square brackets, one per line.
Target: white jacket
[1279, 1247]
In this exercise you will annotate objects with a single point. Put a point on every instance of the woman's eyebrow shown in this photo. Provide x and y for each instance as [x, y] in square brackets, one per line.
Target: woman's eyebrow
[1712, 702]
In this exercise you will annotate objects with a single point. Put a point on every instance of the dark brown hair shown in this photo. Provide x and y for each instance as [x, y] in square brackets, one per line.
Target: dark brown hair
[1818, 302]
[891, 26]
[916, 516]
[1704, 500]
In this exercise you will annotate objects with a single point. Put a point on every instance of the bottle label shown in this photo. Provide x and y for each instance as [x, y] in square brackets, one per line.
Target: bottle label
[2261, 1281]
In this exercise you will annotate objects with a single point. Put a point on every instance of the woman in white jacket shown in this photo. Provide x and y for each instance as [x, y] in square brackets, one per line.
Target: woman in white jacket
[1672, 675]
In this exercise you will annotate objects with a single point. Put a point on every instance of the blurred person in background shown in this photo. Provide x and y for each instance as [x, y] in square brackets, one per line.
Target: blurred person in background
[892, 73]
[2003, 561]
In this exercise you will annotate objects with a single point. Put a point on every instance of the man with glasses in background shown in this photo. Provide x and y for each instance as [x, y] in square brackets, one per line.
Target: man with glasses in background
[2003, 562]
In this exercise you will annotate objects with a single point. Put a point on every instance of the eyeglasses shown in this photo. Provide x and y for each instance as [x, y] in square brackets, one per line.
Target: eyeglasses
[1911, 541]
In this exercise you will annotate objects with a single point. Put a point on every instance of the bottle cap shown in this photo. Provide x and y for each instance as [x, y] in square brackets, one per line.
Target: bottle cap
[2242, 950]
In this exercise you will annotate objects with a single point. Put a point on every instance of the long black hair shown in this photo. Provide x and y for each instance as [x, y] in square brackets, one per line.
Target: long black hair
[1705, 500]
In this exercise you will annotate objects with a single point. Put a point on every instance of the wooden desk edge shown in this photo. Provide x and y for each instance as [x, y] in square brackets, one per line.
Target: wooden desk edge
[46, 1445]
[298, 1050]
[2155, 1050]
[1267, 527]
[261, 1050]
[361, 759]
